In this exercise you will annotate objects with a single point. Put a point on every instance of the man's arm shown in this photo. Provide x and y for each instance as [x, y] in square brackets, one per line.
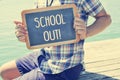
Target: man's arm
[102, 21]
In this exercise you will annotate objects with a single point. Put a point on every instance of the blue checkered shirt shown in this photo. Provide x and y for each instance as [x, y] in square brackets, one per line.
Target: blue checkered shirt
[60, 58]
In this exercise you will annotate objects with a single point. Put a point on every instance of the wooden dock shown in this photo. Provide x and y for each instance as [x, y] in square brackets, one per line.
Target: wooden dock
[102, 60]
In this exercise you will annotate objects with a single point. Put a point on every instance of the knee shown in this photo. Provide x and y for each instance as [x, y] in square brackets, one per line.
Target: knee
[3, 73]
[8, 71]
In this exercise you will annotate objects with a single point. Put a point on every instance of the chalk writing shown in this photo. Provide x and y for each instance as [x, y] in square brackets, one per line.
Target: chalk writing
[52, 35]
[50, 26]
[51, 20]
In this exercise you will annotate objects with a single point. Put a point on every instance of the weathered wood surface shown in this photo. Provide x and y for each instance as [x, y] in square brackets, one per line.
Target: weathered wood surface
[102, 60]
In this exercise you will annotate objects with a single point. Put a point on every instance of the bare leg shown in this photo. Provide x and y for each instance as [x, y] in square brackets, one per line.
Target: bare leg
[9, 71]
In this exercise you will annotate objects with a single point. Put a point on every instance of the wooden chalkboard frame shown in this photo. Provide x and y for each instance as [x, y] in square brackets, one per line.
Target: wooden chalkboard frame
[47, 9]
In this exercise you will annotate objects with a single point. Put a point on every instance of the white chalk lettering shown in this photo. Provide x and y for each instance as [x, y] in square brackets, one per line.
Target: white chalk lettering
[52, 35]
[57, 19]
[37, 21]
[47, 21]
[51, 20]
[41, 24]
[46, 36]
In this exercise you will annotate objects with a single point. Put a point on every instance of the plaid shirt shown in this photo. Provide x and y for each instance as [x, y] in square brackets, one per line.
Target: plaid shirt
[60, 58]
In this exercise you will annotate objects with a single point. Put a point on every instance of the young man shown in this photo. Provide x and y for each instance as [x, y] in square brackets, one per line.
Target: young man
[62, 62]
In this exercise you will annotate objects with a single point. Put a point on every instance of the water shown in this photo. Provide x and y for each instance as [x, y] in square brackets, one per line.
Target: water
[10, 10]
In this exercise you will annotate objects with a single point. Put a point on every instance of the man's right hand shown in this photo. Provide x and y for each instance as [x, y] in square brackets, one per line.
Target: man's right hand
[20, 31]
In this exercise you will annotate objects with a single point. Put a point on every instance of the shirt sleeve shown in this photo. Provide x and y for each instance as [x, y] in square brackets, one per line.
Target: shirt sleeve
[92, 7]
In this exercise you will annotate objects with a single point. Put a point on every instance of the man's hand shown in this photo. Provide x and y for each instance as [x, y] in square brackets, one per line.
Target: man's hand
[80, 27]
[20, 31]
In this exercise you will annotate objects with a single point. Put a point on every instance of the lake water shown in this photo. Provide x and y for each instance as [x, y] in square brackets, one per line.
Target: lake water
[10, 10]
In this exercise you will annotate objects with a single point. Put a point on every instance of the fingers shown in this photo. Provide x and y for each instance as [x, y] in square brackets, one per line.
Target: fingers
[80, 27]
[20, 31]
[18, 22]
[78, 22]
[21, 38]
[21, 35]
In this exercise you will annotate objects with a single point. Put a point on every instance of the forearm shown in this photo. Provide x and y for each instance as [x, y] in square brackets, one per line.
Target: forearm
[99, 25]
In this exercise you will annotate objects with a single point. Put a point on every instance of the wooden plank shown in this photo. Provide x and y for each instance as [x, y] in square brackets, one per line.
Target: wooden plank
[101, 50]
[102, 63]
[94, 57]
[112, 73]
[95, 76]
[102, 60]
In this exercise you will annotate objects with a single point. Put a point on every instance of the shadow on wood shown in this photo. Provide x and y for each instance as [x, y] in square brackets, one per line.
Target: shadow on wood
[95, 76]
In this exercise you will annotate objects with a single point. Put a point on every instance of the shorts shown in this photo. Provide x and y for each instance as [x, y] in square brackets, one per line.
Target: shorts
[28, 67]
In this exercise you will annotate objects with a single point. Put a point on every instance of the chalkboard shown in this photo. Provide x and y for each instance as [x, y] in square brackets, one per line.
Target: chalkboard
[50, 26]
